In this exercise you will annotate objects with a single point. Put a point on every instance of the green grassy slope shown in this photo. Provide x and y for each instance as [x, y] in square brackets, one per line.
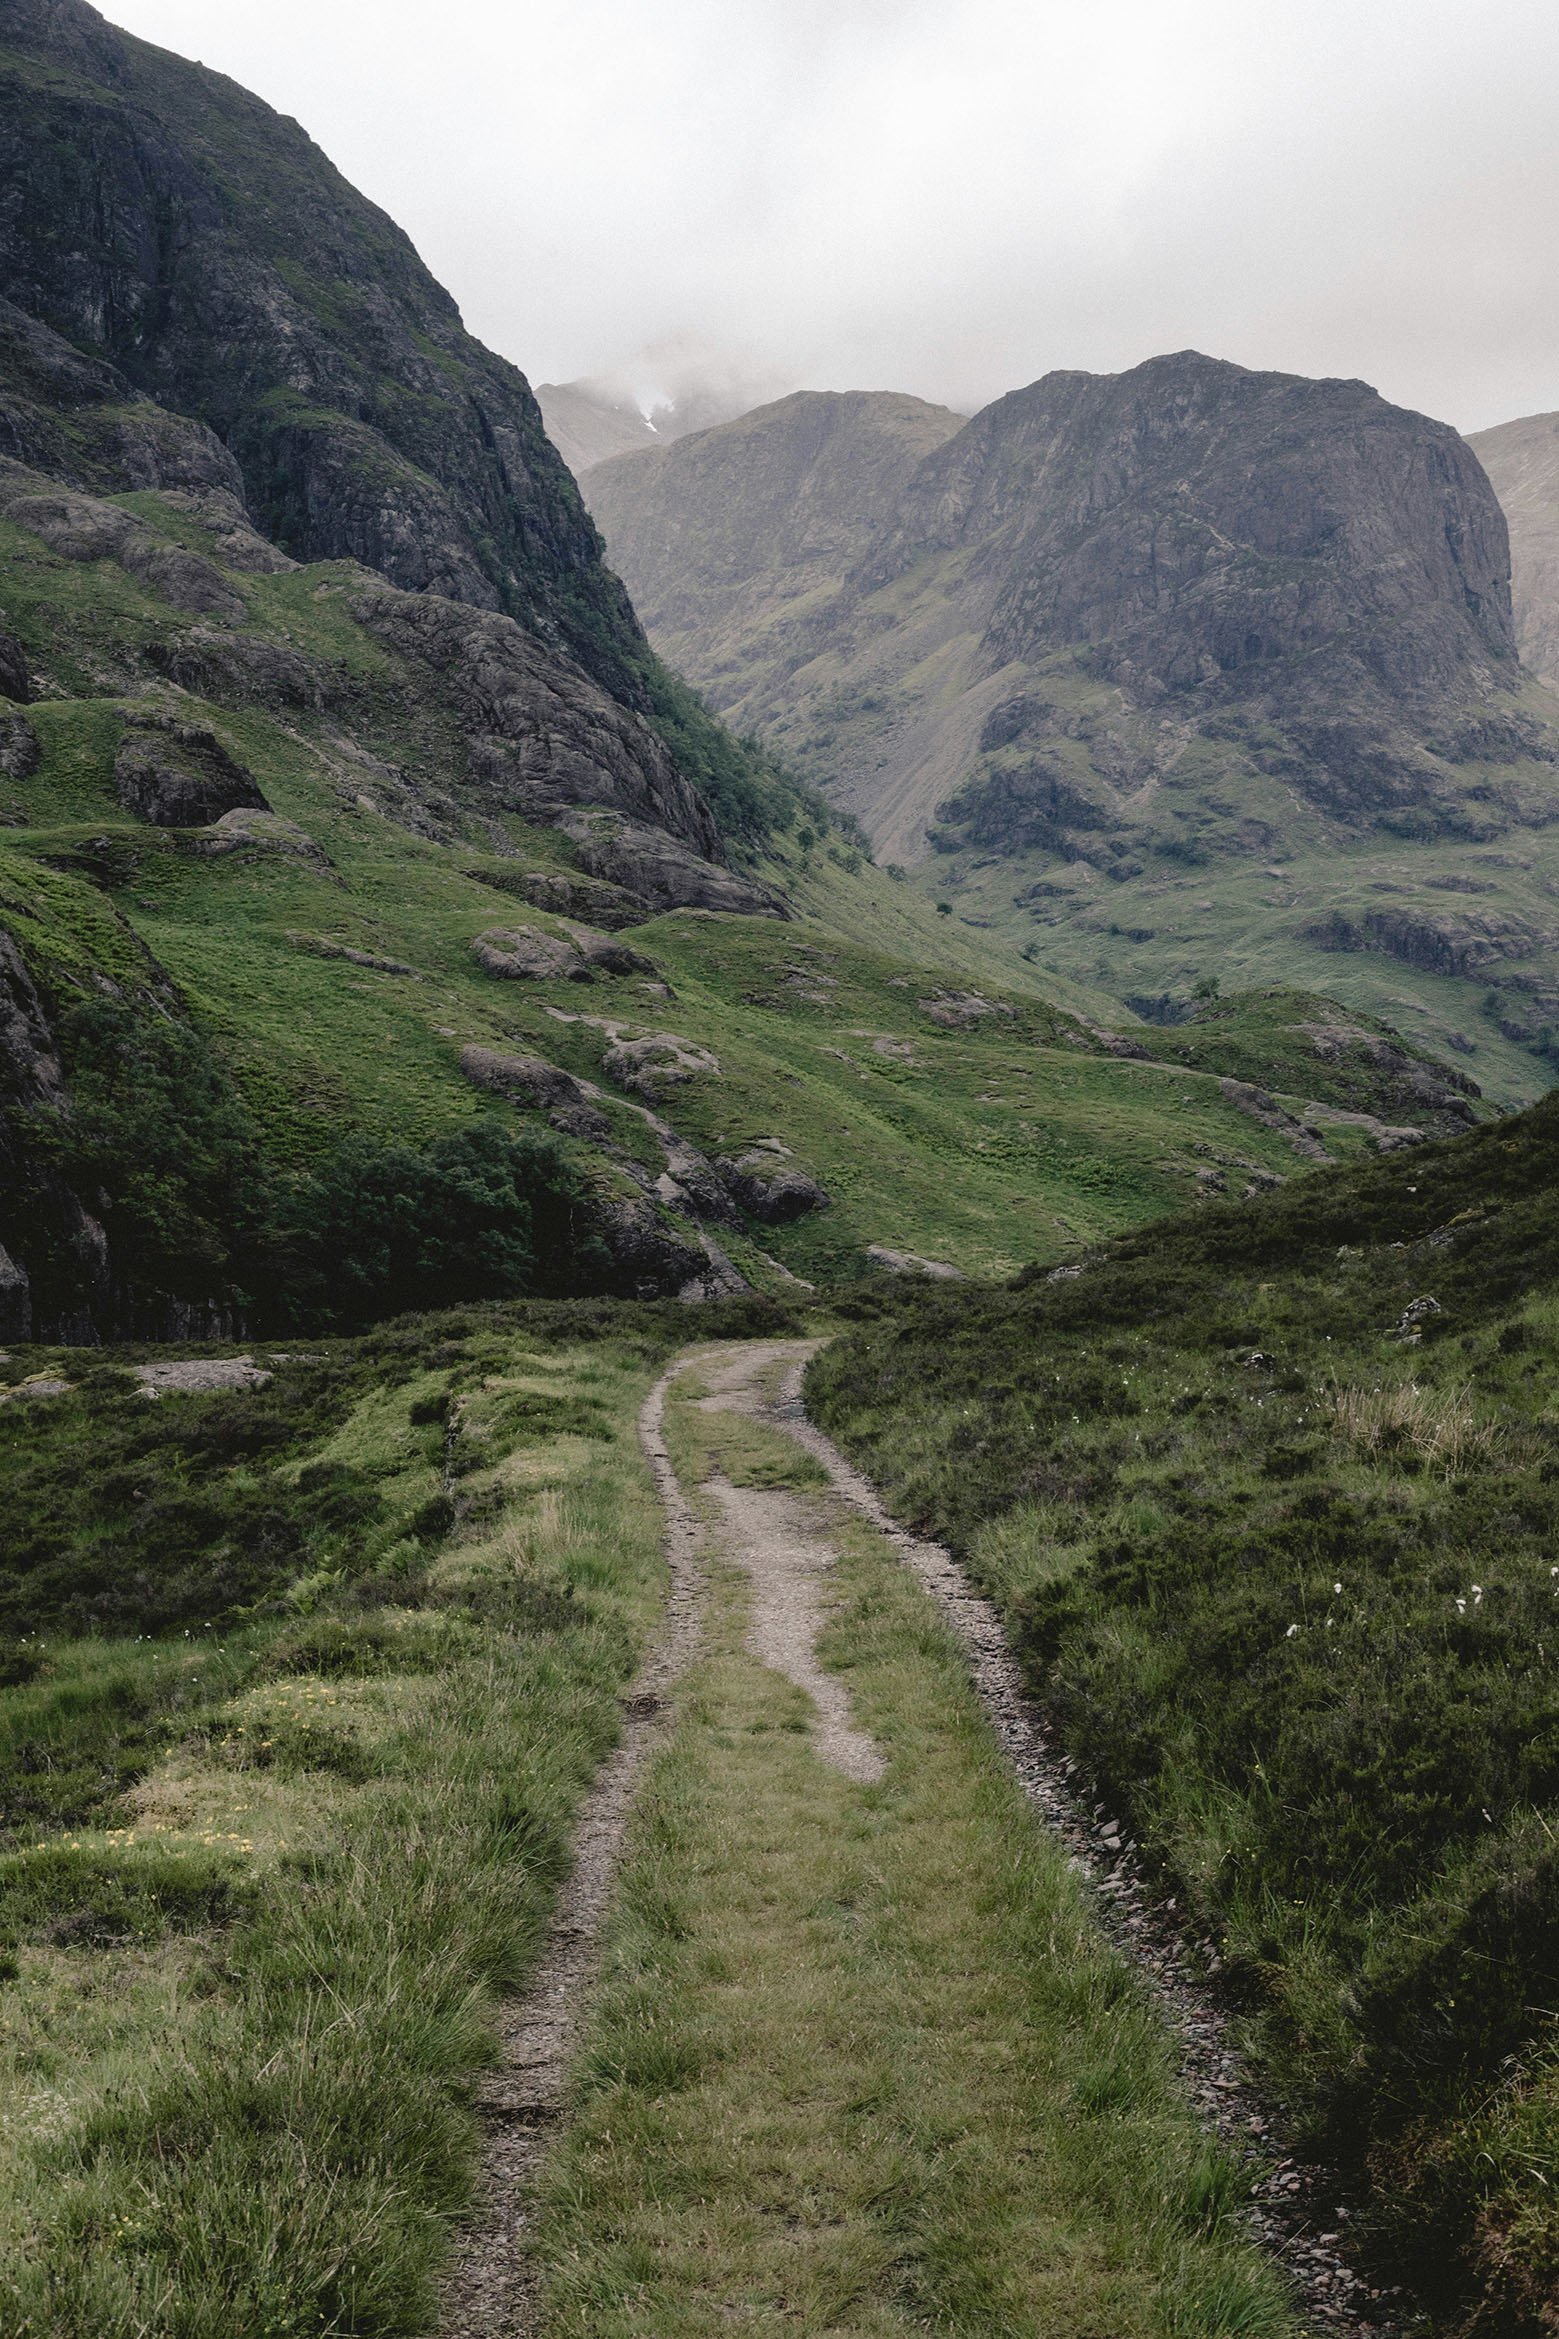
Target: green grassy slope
[1016, 1136]
[1268, 1497]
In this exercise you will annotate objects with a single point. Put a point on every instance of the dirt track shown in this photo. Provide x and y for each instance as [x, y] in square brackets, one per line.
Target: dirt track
[777, 1540]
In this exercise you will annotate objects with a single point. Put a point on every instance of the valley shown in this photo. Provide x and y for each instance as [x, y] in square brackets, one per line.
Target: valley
[1184, 671]
[778, 1314]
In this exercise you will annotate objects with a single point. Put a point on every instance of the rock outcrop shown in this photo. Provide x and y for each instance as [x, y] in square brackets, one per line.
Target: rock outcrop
[177, 776]
[660, 870]
[544, 740]
[158, 215]
[771, 1187]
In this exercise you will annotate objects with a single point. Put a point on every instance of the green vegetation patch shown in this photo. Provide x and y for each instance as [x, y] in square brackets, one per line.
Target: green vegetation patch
[266, 1883]
[1271, 1501]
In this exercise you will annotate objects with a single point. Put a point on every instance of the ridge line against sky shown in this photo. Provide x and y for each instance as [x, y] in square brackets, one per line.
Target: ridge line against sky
[949, 197]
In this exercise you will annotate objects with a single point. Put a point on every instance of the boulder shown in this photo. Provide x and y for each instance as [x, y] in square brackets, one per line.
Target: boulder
[958, 1010]
[246, 831]
[662, 870]
[771, 1190]
[651, 1261]
[569, 897]
[176, 776]
[527, 1080]
[910, 1263]
[525, 954]
[606, 953]
[659, 1061]
[20, 753]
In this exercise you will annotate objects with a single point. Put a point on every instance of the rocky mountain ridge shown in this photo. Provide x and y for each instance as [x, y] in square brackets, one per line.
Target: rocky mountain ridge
[1119, 629]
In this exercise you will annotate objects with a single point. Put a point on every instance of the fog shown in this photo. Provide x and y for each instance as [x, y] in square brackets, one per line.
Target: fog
[949, 196]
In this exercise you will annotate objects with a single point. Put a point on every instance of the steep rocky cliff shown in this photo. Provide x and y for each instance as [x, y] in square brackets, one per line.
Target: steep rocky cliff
[1522, 461]
[161, 218]
[1127, 628]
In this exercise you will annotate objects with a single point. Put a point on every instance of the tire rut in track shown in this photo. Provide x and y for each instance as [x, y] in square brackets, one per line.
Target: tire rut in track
[492, 2289]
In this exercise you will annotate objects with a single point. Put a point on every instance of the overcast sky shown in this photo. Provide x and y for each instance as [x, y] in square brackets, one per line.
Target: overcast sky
[952, 196]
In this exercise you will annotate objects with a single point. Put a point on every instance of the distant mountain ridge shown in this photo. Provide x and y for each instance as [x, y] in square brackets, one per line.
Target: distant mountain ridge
[1116, 629]
[1522, 461]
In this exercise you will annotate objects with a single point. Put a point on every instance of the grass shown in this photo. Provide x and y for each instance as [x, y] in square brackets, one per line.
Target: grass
[1278, 1546]
[862, 2062]
[262, 1893]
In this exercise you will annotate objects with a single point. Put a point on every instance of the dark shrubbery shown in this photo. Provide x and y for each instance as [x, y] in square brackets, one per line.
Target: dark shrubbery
[381, 1230]
[204, 1232]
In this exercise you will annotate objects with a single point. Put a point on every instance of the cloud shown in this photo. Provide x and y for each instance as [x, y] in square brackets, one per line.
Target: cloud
[952, 196]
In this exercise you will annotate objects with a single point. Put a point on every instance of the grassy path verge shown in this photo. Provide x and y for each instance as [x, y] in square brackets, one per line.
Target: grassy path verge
[862, 2062]
[262, 1887]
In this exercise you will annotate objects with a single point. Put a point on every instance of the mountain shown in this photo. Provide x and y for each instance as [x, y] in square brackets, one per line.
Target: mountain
[675, 387]
[731, 535]
[378, 916]
[1123, 654]
[1522, 461]
[588, 426]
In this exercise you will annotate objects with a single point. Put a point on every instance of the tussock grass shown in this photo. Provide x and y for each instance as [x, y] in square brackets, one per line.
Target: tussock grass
[862, 2061]
[1441, 1426]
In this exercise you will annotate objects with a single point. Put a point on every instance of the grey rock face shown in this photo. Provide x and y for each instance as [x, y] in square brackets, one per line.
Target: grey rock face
[543, 736]
[662, 871]
[649, 1258]
[1440, 944]
[273, 303]
[606, 953]
[1095, 570]
[570, 897]
[235, 668]
[176, 776]
[83, 527]
[20, 754]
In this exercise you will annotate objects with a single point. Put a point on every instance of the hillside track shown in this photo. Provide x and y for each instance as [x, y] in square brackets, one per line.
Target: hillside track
[496, 2285]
